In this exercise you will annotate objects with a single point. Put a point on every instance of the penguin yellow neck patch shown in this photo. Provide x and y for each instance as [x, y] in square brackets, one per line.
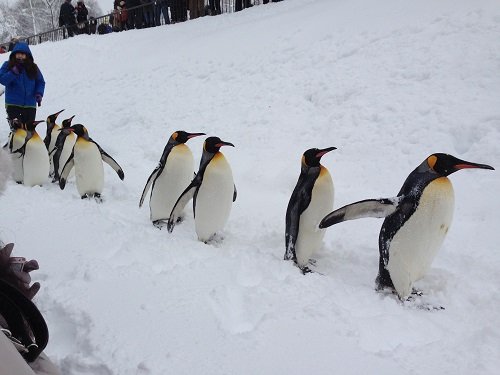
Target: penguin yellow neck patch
[431, 161]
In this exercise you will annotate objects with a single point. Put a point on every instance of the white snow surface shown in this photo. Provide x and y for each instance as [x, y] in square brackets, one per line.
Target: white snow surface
[388, 82]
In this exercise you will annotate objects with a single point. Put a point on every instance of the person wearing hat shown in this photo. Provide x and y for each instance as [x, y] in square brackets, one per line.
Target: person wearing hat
[24, 84]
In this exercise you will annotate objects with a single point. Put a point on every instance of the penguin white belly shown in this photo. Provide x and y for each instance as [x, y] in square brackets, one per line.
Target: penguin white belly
[35, 162]
[89, 171]
[214, 199]
[52, 144]
[17, 159]
[310, 237]
[169, 185]
[416, 244]
[69, 142]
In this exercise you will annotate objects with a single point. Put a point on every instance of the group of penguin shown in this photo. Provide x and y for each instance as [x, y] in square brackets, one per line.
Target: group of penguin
[65, 146]
[415, 225]
[416, 219]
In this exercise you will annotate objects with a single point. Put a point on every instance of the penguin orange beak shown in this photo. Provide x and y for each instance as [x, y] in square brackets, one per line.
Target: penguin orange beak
[224, 144]
[35, 123]
[469, 165]
[325, 151]
[192, 135]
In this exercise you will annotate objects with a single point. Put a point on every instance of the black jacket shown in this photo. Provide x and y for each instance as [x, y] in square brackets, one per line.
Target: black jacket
[82, 12]
[67, 14]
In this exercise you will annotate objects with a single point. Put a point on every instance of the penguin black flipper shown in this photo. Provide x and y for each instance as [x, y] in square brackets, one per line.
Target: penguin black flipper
[235, 193]
[58, 148]
[152, 177]
[298, 203]
[67, 168]
[181, 202]
[378, 208]
[111, 162]
[46, 140]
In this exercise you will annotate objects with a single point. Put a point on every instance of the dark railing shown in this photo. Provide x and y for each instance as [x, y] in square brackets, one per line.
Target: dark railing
[137, 19]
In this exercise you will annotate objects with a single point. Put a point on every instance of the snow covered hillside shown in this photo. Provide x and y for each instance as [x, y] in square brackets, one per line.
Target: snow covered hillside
[387, 82]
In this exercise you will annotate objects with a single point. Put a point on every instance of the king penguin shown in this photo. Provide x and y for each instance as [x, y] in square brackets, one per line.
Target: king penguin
[16, 142]
[213, 192]
[63, 147]
[311, 200]
[51, 136]
[416, 221]
[87, 158]
[169, 179]
[35, 157]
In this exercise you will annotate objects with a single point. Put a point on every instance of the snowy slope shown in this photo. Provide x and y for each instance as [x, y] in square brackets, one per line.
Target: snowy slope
[388, 82]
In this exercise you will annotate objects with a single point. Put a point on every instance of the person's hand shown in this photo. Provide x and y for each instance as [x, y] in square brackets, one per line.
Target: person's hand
[17, 69]
[38, 98]
[18, 277]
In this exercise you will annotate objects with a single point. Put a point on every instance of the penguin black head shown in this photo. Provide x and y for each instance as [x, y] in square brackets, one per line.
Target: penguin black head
[180, 136]
[31, 125]
[80, 130]
[445, 164]
[67, 123]
[52, 118]
[213, 144]
[312, 157]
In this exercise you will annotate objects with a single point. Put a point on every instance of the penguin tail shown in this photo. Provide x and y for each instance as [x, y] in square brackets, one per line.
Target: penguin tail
[378, 208]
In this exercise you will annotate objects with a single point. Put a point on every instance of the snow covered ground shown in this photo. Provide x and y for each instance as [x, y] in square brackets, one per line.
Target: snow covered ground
[387, 82]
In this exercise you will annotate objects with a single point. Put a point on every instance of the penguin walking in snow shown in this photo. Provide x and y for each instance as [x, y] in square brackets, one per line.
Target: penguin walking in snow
[416, 221]
[17, 138]
[51, 136]
[34, 156]
[213, 192]
[311, 200]
[169, 179]
[87, 158]
[63, 147]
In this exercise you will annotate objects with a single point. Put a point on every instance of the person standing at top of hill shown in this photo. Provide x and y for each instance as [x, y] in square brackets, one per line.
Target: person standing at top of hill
[24, 84]
[82, 14]
[67, 17]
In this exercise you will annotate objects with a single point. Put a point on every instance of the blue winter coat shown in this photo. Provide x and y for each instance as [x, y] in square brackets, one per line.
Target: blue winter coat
[19, 89]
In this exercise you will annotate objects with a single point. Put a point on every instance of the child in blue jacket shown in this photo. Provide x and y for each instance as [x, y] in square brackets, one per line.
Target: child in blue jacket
[24, 84]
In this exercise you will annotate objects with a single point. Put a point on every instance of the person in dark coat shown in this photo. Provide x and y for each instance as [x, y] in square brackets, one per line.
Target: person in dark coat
[82, 14]
[134, 19]
[161, 7]
[215, 7]
[67, 17]
[178, 10]
[24, 84]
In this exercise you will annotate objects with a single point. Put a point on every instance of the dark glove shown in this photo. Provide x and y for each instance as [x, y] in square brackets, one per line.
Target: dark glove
[38, 98]
[16, 276]
[17, 69]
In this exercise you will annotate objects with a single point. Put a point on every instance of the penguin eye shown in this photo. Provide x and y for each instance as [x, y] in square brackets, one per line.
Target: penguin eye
[431, 161]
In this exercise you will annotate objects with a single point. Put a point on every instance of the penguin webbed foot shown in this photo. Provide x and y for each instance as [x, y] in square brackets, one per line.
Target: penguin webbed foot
[305, 270]
[416, 292]
[160, 223]
[97, 197]
[214, 239]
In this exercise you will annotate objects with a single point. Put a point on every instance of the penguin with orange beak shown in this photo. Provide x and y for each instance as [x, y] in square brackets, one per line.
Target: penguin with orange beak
[311, 200]
[416, 221]
[212, 190]
[169, 179]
